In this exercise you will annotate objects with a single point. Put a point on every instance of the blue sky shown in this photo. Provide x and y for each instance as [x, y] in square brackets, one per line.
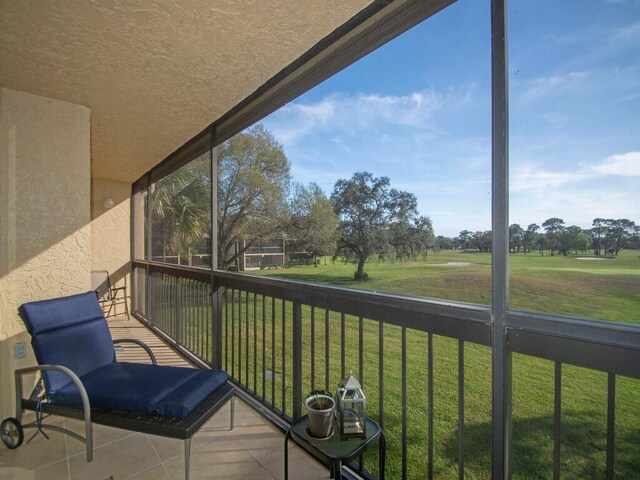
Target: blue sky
[418, 110]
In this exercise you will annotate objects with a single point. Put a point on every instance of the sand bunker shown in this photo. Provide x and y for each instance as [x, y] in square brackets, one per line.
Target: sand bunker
[450, 264]
[590, 258]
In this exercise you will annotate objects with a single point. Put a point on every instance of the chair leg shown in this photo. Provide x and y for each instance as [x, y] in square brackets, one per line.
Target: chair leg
[233, 410]
[187, 457]
[88, 433]
[111, 304]
[126, 308]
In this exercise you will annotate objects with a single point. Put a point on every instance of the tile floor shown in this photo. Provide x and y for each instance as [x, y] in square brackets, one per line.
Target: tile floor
[253, 450]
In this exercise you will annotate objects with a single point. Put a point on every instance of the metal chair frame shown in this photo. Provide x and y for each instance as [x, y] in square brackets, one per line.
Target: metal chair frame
[108, 296]
[152, 424]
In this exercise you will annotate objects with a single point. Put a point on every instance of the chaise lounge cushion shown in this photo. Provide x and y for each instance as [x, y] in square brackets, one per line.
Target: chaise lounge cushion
[69, 331]
[72, 332]
[136, 387]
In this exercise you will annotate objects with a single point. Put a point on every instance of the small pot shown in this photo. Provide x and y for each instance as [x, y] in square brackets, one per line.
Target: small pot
[320, 420]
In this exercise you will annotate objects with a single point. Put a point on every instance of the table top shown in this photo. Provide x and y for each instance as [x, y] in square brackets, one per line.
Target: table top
[334, 448]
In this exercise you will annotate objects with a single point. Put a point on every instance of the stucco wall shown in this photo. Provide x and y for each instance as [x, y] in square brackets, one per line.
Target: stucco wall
[45, 231]
[111, 231]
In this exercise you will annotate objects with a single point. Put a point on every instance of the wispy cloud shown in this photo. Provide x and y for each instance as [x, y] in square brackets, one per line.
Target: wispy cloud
[357, 112]
[576, 206]
[578, 194]
[629, 34]
[295, 121]
[539, 88]
[622, 2]
[409, 110]
[625, 165]
[601, 38]
[460, 186]
[532, 177]
[556, 120]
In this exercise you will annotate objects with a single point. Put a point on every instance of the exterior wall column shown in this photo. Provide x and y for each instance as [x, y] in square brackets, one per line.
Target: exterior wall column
[45, 218]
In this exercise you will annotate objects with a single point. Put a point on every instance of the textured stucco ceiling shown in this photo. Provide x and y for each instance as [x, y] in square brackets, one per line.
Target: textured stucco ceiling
[155, 73]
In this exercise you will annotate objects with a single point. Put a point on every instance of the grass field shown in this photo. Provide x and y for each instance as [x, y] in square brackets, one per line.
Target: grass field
[583, 286]
[598, 289]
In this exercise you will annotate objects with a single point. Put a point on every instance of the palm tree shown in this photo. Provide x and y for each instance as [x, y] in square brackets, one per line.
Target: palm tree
[181, 209]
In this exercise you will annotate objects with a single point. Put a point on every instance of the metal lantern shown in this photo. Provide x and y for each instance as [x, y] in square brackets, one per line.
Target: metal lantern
[352, 409]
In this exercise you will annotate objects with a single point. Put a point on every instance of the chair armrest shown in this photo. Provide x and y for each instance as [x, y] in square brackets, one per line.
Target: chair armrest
[140, 344]
[56, 368]
[86, 405]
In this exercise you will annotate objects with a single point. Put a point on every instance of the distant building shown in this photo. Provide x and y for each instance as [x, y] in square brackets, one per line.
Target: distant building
[269, 253]
[197, 255]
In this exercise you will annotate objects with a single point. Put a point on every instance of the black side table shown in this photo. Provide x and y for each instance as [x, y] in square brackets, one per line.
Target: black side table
[333, 451]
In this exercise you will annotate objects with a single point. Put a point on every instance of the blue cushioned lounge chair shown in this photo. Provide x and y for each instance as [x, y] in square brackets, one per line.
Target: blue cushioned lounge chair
[81, 378]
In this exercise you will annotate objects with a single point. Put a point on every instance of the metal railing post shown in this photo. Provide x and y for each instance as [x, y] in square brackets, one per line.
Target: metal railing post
[611, 426]
[557, 417]
[297, 360]
[216, 326]
[178, 311]
[150, 305]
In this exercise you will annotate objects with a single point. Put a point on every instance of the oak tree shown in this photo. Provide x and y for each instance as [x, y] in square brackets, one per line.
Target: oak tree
[253, 182]
[369, 211]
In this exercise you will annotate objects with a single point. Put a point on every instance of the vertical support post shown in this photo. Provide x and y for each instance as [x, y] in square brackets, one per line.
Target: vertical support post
[326, 348]
[239, 347]
[297, 360]
[361, 368]
[611, 425]
[381, 374]
[284, 356]
[557, 417]
[501, 357]
[361, 350]
[134, 234]
[430, 407]
[342, 345]
[273, 352]
[255, 343]
[264, 347]
[203, 302]
[313, 347]
[405, 405]
[216, 294]
[461, 409]
[149, 223]
[226, 327]
[214, 200]
[231, 297]
[246, 339]
[148, 256]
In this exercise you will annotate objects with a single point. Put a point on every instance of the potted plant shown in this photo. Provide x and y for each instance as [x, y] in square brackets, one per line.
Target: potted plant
[320, 409]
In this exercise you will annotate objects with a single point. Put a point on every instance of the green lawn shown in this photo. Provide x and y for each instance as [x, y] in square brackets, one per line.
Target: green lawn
[603, 288]
[600, 289]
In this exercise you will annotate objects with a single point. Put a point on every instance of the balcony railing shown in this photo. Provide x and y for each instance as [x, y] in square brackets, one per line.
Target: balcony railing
[425, 364]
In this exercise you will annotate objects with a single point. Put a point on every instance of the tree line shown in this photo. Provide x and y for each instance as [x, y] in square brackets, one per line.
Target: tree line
[363, 218]
[256, 199]
[606, 237]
